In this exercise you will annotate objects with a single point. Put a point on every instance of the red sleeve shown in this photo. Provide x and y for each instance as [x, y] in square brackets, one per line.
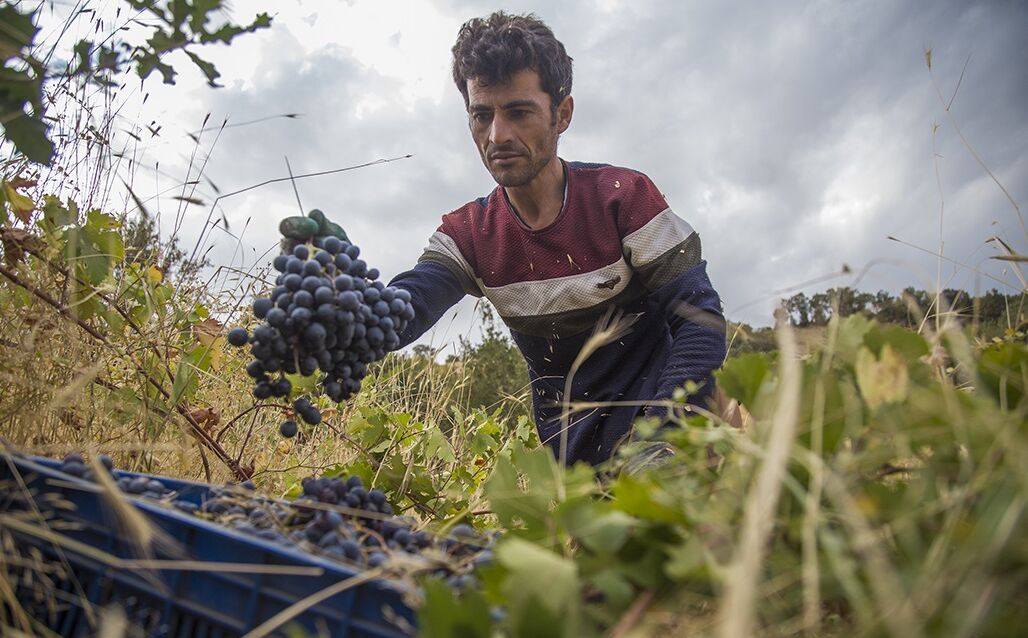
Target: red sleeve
[639, 201]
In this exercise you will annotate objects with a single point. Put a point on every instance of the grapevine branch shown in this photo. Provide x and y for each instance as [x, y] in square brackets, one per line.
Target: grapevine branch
[195, 429]
[107, 299]
[58, 306]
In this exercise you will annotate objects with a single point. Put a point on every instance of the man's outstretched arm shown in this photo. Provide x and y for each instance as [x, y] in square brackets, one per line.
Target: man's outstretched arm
[433, 290]
[440, 279]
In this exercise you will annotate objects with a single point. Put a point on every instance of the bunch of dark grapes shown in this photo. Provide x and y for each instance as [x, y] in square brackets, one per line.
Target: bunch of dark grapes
[360, 527]
[141, 485]
[75, 464]
[337, 517]
[328, 312]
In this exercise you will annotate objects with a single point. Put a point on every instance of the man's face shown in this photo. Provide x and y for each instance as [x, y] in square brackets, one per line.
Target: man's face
[514, 127]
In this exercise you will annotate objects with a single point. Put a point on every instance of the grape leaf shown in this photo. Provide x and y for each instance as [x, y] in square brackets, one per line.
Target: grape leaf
[537, 573]
[21, 205]
[29, 137]
[905, 342]
[742, 377]
[647, 499]
[882, 380]
[445, 615]
[594, 525]
[57, 214]
[1003, 370]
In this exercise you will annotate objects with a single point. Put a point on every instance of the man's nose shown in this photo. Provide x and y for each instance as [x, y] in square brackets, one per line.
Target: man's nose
[501, 131]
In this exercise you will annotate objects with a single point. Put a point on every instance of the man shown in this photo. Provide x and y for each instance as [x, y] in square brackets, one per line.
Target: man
[558, 246]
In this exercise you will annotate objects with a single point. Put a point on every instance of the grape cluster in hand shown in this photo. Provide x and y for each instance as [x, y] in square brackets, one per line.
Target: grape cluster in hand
[328, 313]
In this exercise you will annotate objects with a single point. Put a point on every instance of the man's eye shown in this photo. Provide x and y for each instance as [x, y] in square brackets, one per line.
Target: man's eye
[480, 117]
[517, 114]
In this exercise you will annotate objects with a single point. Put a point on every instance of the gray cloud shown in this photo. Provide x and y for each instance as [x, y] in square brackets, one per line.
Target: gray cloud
[797, 140]
[794, 136]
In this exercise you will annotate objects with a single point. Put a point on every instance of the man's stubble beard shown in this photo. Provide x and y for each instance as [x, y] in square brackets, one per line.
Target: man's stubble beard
[509, 179]
[513, 179]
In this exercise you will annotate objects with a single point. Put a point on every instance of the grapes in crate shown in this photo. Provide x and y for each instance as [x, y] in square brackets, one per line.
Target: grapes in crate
[327, 315]
[337, 517]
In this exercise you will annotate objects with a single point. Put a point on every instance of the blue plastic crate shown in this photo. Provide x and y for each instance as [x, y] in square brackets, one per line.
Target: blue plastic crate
[71, 554]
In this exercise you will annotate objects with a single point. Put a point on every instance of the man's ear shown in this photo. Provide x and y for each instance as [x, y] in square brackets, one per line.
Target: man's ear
[565, 110]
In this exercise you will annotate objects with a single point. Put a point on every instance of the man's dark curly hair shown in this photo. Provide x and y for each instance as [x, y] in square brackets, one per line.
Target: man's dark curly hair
[493, 49]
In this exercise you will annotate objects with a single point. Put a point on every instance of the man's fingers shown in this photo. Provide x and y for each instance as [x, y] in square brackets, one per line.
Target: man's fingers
[300, 228]
[336, 230]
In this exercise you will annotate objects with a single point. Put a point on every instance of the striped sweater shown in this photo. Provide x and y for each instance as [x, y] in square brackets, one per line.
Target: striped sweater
[615, 245]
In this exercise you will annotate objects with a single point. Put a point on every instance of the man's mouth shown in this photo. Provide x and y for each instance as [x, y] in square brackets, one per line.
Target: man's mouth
[502, 157]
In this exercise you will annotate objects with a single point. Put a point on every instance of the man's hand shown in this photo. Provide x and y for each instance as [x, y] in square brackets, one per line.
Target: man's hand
[299, 229]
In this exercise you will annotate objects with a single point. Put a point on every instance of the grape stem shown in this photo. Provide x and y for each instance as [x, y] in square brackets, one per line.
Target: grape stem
[256, 406]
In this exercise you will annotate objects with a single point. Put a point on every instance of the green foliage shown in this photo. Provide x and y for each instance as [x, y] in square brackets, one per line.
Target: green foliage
[181, 24]
[449, 615]
[743, 378]
[526, 487]
[91, 247]
[21, 85]
[155, 344]
[1003, 371]
[903, 503]
[176, 25]
[421, 466]
[540, 587]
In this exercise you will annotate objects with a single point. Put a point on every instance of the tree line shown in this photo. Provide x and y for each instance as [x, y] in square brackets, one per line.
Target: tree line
[909, 308]
[991, 314]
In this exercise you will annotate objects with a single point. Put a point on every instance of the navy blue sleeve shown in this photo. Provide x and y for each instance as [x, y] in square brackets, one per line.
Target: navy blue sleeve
[697, 324]
[433, 289]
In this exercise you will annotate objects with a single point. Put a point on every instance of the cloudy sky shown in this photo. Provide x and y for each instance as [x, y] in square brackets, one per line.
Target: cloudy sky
[794, 136]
